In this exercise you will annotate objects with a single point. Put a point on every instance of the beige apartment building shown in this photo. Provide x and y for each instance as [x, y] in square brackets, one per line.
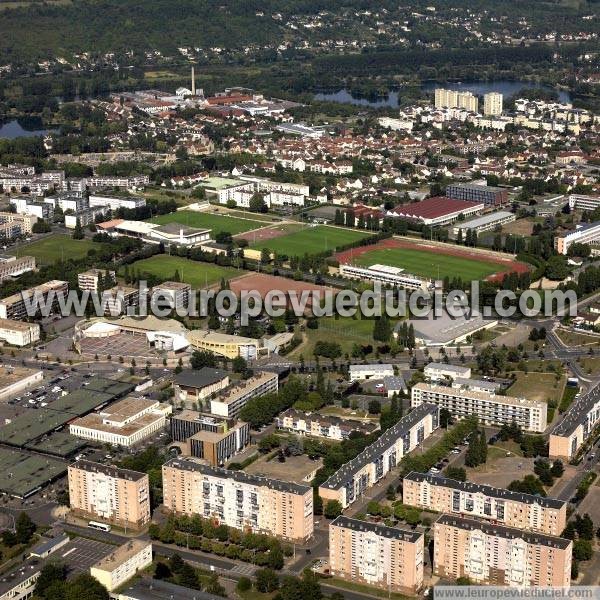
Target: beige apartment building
[89, 280]
[238, 499]
[15, 307]
[125, 562]
[106, 493]
[369, 553]
[513, 509]
[19, 333]
[491, 408]
[11, 266]
[355, 477]
[496, 555]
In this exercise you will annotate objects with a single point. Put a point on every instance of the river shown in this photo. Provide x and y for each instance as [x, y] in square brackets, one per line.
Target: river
[22, 128]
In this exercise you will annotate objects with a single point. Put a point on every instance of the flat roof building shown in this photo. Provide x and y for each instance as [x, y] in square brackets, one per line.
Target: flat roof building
[473, 192]
[383, 274]
[19, 333]
[325, 426]
[123, 423]
[11, 266]
[231, 401]
[238, 499]
[490, 554]
[15, 380]
[355, 477]
[230, 346]
[27, 302]
[576, 426]
[109, 494]
[491, 409]
[371, 371]
[487, 222]
[586, 233]
[513, 509]
[388, 558]
[439, 371]
[125, 562]
[439, 210]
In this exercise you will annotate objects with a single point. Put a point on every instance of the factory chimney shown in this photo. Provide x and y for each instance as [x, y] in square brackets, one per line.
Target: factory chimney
[193, 83]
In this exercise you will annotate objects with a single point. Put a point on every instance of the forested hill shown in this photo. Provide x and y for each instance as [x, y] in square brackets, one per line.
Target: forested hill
[61, 28]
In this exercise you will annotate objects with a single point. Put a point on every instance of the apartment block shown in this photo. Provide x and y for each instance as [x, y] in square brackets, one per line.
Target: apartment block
[454, 99]
[173, 294]
[355, 477]
[440, 371]
[120, 299]
[577, 424]
[12, 224]
[492, 104]
[325, 426]
[491, 554]
[106, 493]
[492, 409]
[213, 439]
[388, 558]
[238, 499]
[193, 387]
[513, 509]
[584, 233]
[11, 266]
[230, 402]
[374, 371]
[583, 202]
[89, 280]
[472, 192]
[116, 202]
[45, 294]
[123, 423]
[125, 562]
[19, 333]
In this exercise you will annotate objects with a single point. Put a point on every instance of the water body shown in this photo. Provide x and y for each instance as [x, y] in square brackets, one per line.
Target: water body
[505, 87]
[15, 128]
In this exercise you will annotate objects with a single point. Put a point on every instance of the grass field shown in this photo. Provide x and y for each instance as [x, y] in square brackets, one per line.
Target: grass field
[312, 240]
[538, 387]
[197, 274]
[215, 222]
[428, 264]
[54, 248]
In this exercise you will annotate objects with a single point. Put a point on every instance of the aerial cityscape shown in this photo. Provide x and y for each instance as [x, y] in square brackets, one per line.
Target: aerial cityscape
[299, 300]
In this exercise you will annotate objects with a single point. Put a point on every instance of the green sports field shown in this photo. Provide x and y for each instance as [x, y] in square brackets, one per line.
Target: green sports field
[212, 221]
[197, 274]
[311, 240]
[54, 248]
[431, 265]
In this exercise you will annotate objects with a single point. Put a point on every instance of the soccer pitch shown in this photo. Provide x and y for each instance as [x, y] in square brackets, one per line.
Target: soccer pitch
[197, 274]
[55, 248]
[431, 265]
[311, 240]
[203, 220]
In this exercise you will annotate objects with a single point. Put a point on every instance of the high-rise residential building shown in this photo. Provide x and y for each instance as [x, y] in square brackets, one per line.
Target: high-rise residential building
[18, 306]
[89, 280]
[490, 554]
[238, 499]
[369, 553]
[492, 409]
[101, 492]
[492, 104]
[513, 509]
[453, 99]
[355, 477]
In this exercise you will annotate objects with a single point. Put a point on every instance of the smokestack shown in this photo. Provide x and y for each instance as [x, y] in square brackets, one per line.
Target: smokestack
[193, 83]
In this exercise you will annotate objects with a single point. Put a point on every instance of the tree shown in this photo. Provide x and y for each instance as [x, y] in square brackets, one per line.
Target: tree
[244, 584]
[445, 418]
[557, 469]
[162, 571]
[382, 329]
[187, 577]
[557, 268]
[85, 586]
[477, 450]
[257, 204]
[332, 509]
[582, 550]
[202, 358]
[267, 581]
[374, 407]
[78, 231]
[24, 528]
[50, 574]
[584, 526]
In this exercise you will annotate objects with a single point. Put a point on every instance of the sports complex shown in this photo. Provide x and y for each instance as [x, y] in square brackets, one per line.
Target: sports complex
[434, 260]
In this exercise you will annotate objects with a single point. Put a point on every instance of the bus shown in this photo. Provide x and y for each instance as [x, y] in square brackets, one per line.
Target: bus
[100, 526]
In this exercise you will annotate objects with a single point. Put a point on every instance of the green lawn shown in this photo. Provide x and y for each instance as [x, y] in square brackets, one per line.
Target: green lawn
[429, 264]
[311, 240]
[55, 248]
[213, 221]
[197, 274]
[539, 387]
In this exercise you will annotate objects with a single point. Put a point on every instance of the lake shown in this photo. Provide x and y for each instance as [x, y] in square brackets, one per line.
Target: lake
[505, 87]
[29, 128]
